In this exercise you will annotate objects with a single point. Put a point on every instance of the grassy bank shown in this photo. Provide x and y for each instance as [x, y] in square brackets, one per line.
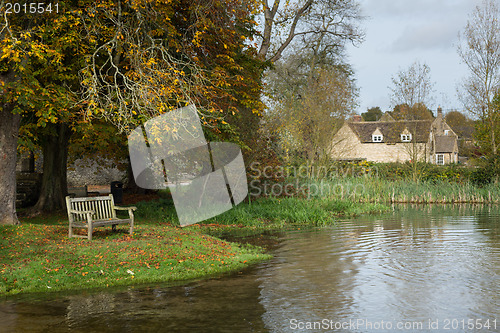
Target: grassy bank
[265, 215]
[41, 258]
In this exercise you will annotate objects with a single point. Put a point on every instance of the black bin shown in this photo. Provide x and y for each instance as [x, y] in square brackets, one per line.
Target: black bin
[117, 191]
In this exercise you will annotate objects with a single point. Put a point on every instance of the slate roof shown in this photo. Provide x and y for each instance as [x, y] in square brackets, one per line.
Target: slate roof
[391, 130]
[445, 144]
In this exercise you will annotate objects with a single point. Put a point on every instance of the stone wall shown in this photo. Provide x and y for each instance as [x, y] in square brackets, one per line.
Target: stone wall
[99, 171]
[94, 172]
[399, 152]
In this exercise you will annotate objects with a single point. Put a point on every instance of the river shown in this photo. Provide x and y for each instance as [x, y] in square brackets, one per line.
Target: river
[415, 269]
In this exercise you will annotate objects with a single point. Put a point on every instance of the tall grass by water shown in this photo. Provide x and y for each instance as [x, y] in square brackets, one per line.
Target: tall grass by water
[378, 190]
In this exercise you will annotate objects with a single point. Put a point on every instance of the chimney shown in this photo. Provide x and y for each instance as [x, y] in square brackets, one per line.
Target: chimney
[357, 118]
[439, 112]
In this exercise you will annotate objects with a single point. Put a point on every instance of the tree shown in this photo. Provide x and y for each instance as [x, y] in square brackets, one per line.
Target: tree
[479, 49]
[284, 21]
[310, 88]
[418, 112]
[464, 127]
[372, 114]
[49, 118]
[26, 56]
[226, 33]
[134, 64]
[413, 86]
[307, 110]
[412, 90]
[9, 127]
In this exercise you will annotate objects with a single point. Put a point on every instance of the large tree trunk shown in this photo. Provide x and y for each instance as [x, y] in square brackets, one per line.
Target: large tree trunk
[54, 180]
[9, 130]
[132, 186]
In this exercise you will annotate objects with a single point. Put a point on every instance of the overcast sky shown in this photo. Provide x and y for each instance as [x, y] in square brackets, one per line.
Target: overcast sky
[399, 32]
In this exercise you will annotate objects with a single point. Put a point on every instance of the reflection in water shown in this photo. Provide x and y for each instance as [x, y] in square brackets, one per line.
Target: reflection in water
[409, 267]
[416, 264]
[219, 305]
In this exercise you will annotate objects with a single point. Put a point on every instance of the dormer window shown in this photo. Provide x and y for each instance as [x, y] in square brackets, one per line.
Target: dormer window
[377, 136]
[406, 137]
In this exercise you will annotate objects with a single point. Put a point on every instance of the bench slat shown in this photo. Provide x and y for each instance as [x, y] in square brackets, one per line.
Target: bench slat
[100, 208]
[96, 207]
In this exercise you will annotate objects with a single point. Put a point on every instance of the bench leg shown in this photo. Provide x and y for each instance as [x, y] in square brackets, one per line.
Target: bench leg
[131, 230]
[89, 232]
[70, 233]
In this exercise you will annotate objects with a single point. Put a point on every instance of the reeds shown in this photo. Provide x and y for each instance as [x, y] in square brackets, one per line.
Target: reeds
[377, 190]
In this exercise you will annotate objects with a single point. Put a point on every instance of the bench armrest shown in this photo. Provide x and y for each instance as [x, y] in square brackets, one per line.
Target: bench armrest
[125, 208]
[130, 212]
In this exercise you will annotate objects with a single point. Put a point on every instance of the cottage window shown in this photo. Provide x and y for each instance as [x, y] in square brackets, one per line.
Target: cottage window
[377, 138]
[446, 132]
[406, 137]
[440, 159]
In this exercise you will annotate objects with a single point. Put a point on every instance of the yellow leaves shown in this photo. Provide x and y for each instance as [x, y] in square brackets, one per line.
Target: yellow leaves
[151, 62]
[223, 84]
[197, 38]
[5, 52]
[226, 57]
[11, 53]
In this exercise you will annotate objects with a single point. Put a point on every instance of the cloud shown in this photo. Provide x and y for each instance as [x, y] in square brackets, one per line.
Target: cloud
[438, 35]
[409, 25]
[416, 8]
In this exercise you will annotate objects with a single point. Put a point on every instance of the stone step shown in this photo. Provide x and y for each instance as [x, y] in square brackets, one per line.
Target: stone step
[27, 183]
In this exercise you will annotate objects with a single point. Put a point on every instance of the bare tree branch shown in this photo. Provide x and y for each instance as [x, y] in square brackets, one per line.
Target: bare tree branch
[412, 86]
[291, 33]
[307, 18]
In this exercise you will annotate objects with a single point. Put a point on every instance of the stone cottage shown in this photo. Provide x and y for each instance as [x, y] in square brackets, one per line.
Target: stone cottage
[389, 140]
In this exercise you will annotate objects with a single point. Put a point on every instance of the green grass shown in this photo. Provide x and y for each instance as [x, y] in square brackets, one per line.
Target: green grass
[264, 215]
[292, 211]
[38, 257]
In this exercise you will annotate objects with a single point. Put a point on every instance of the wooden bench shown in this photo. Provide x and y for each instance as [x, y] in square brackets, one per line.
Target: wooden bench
[95, 212]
